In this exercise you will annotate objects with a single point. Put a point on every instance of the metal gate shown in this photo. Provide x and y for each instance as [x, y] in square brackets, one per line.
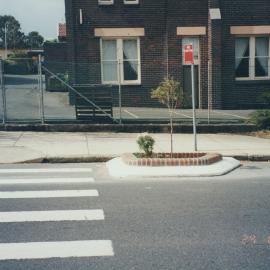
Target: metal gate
[37, 91]
[27, 96]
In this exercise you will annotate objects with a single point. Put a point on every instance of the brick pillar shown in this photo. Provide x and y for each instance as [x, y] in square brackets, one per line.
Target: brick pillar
[214, 54]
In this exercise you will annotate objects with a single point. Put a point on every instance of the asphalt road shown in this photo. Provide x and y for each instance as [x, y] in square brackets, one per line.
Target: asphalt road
[190, 224]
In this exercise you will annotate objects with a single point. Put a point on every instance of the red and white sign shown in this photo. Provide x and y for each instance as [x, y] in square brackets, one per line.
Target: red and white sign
[188, 54]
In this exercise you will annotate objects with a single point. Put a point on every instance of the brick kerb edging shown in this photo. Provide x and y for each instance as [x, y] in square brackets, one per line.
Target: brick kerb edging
[178, 159]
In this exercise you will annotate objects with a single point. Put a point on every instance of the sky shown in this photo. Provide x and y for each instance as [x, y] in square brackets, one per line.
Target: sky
[36, 15]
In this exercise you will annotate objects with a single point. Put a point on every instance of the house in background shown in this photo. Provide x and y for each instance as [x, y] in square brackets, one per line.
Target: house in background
[230, 37]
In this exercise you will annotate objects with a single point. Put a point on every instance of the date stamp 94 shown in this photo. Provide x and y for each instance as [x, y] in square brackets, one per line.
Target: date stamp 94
[253, 240]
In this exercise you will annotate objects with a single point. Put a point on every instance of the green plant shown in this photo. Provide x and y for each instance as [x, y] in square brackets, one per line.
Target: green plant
[170, 93]
[264, 97]
[18, 63]
[55, 81]
[261, 119]
[146, 143]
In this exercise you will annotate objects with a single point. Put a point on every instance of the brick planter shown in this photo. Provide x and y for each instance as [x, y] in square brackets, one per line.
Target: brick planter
[178, 159]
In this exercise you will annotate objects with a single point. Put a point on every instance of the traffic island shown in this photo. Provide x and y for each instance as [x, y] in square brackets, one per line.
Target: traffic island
[171, 165]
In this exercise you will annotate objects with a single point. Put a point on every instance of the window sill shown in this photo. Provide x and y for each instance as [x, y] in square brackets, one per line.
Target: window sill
[123, 84]
[130, 84]
[255, 81]
[105, 4]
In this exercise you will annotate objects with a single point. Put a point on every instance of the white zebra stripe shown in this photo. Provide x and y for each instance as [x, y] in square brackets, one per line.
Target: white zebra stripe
[42, 216]
[43, 250]
[17, 181]
[45, 170]
[48, 194]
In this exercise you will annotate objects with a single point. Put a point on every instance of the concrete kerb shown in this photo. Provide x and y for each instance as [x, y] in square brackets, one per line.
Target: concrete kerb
[90, 159]
[130, 128]
[102, 159]
[119, 169]
[255, 158]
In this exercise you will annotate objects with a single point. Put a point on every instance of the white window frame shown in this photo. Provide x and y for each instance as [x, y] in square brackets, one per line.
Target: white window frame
[252, 57]
[119, 46]
[105, 2]
[131, 2]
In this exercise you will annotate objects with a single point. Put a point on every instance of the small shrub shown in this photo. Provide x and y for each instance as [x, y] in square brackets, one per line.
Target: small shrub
[146, 143]
[264, 98]
[54, 84]
[261, 119]
[20, 65]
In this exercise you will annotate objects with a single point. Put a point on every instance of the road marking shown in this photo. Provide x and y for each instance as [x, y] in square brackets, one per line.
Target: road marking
[43, 250]
[185, 115]
[131, 114]
[23, 181]
[234, 115]
[46, 170]
[41, 216]
[48, 194]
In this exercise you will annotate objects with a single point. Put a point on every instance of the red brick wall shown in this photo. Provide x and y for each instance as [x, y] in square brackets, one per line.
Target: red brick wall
[156, 16]
[236, 13]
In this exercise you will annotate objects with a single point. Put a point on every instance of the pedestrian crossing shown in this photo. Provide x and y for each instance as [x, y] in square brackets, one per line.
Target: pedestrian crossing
[23, 181]
[48, 194]
[45, 170]
[46, 250]
[55, 249]
[35, 216]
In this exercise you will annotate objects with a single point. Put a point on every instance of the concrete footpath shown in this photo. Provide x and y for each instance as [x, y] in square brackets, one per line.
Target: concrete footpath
[20, 147]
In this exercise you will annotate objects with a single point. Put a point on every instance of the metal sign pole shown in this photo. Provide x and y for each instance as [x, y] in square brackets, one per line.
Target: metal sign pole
[209, 81]
[120, 92]
[3, 92]
[41, 97]
[194, 108]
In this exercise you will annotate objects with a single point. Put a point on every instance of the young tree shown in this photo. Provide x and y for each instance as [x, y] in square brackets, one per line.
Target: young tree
[169, 93]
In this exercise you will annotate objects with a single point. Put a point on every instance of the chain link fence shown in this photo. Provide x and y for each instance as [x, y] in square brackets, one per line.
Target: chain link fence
[33, 90]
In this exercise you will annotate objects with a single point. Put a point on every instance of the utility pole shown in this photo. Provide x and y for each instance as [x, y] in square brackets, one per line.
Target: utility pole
[3, 90]
[6, 47]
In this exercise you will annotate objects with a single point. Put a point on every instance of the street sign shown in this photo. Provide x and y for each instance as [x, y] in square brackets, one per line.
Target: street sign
[188, 54]
[189, 60]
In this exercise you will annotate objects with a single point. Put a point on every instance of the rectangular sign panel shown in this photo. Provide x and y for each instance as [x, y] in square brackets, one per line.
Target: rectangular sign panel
[188, 54]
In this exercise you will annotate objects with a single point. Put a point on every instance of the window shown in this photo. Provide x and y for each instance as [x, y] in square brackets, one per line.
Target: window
[242, 57]
[262, 57]
[252, 58]
[131, 2]
[120, 60]
[105, 2]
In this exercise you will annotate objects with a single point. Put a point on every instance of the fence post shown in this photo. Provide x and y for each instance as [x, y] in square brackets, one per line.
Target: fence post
[120, 92]
[209, 85]
[41, 94]
[2, 86]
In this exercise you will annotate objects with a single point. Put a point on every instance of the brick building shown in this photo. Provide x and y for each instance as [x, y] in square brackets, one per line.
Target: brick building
[231, 40]
[56, 60]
